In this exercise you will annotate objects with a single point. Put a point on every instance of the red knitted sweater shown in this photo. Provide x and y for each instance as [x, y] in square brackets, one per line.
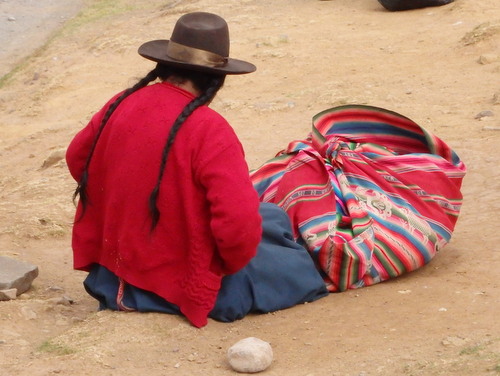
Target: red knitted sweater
[209, 223]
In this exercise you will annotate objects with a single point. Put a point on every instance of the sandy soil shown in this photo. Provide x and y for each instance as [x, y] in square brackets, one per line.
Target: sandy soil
[438, 66]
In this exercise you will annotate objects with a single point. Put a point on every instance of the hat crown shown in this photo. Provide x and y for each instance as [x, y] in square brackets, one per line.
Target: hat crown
[204, 31]
[200, 42]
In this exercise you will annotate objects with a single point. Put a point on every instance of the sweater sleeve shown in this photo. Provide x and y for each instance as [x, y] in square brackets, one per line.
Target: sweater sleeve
[234, 205]
[78, 151]
[79, 148]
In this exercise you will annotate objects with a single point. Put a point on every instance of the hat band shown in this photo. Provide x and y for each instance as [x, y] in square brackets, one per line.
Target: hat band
[194, 56]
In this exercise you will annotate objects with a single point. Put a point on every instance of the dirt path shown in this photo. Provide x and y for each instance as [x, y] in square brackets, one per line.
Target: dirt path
[438, 66]
[25, 25]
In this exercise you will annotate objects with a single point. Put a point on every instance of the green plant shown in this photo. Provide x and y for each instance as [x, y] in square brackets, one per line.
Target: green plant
[55, 348]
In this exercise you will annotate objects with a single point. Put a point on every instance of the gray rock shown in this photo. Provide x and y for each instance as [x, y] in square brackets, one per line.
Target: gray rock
[15, 274]
[250, 355]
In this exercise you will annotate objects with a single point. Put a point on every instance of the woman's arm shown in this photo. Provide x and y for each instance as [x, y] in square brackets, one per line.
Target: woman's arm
[234, 205]
[79, 148]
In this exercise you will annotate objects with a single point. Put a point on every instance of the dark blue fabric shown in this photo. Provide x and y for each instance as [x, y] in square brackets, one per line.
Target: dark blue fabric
[102, 284]
[281, 275]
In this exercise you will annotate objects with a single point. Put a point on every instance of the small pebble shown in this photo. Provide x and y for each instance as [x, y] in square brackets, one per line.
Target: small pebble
[63, 300]
[483, 114]
[404, 292]
[53, 158]
[8, 294]
[487, 59]
[488, 128]
[250, 355]
[496, 98]
[55, 288]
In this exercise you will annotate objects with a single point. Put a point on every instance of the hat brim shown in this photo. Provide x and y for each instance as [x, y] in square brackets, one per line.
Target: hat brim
[156, 50]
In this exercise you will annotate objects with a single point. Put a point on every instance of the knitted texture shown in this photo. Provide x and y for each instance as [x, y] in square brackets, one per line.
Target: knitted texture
[209, 223]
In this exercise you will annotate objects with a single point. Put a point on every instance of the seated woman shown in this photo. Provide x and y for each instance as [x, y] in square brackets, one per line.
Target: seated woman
[166, 206]
[370, 194]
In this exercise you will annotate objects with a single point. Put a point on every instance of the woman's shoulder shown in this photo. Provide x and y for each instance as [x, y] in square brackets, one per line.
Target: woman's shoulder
[208, 117]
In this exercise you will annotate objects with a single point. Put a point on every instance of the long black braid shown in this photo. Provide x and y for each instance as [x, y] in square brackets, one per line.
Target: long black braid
[81, 189]
[209, 86]
[206, 96]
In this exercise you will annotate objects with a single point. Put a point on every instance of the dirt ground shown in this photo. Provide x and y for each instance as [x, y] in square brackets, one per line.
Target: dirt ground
[438, 66]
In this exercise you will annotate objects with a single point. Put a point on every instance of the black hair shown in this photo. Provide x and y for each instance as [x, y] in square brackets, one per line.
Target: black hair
[207, 84]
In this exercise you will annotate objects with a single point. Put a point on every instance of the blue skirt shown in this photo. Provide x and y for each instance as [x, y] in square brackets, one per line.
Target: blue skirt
[281, 275]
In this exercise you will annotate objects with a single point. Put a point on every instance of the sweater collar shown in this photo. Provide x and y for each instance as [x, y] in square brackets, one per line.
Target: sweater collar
[178, 89]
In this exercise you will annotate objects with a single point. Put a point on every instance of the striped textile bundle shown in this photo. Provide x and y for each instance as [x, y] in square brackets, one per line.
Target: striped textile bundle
[371, 195]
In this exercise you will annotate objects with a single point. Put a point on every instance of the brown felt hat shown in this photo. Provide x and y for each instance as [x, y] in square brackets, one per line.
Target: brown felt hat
[200, 41]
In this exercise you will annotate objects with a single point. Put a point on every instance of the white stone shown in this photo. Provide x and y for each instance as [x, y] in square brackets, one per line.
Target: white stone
[250, 355]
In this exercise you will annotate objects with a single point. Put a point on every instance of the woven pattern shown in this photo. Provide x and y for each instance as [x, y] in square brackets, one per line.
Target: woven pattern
[370, 194]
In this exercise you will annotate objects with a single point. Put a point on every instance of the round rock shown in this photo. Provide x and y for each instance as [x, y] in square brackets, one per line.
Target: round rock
[250, 355]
